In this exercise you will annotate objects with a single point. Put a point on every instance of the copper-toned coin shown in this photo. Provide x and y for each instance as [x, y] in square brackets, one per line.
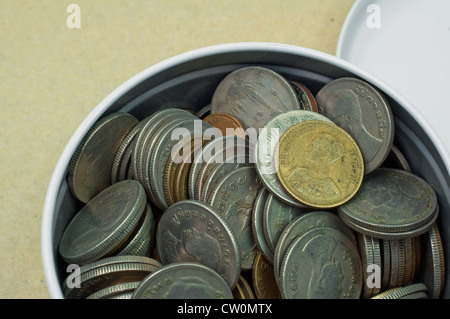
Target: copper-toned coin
[264, 279]
[305, 97]
[243, 290]
[226, 123]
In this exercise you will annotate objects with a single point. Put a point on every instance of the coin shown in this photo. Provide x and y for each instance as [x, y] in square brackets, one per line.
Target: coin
[277, 215]
[114, 290]
[432, 272]
[305, 97]
[369, 251]
[257, 224]
[364, 113]
[400, 292]
[191, 231]
[226, 123]
[322, 264]
[319, 164]
[243, 290]
[104, 223]
[108, 272]
[233, 198]
[396, 159]
[391, 204]
[183, 281]
[91, 164]
[254, 95]
[300, 226]
[266, 150]
[264, 279]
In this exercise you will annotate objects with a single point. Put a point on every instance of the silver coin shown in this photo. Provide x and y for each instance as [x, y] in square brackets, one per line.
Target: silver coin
[369, 251]
[254, 95]
[266, 149]
[401, 292]
[364, 113]
[218, 172]
[161, 152]
[191, 231]
[432, 271]
[91, 165]
[183, 281]
[257, 224]
[204, 111]
[391, 203]
[321, 264]
[277, 215]
[233, 199]
[301, 225]
[396, 159]
[114, 290]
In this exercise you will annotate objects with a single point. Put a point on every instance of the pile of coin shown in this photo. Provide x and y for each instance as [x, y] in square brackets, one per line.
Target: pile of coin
[267, 192]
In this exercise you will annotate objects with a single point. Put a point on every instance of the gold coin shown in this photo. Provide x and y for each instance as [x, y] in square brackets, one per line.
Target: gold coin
[264, 281]
[226, 123]
[319, 164]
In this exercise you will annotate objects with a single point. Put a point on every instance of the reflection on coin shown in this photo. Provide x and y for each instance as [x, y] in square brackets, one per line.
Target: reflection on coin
[226, 123]
[391, 204]
[264, 279]
[322, 264]
[91, 164]
[191, 231]
[433, 265]
[364, 113]
[266, 149]
[254, 95]
[103, 223]
[233, 199]
[319, 164]
[183, 281]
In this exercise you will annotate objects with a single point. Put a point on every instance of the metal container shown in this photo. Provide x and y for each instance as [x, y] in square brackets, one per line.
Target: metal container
[191, 78]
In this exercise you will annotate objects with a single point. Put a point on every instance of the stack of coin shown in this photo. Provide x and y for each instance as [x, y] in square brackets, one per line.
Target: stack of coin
[413, 291]
[110, 277]
[277, 194]
[116, 221]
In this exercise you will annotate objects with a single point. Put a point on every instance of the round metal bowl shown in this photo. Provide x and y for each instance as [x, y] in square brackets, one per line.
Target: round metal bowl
[191, 78]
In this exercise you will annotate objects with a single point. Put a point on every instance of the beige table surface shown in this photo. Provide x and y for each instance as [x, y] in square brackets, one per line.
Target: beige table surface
[52, 76]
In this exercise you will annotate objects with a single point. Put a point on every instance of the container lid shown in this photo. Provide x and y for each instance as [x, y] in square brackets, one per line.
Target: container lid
[406, 44]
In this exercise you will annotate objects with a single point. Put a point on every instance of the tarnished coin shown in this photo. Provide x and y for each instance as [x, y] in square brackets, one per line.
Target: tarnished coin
[305, 97]
[254, 95]
[104, 223]
[226, 123]
[264, 280]
[300, 226]
[322, 264]
[364, 113]
[108, 272]
[191, 231]
[243, 290]
[391, 204]
[91, 165]
[233, 198]
[183, 281]
[277, 215]
[432, 271]
[319, 164]
[266, 149]
[369, 250]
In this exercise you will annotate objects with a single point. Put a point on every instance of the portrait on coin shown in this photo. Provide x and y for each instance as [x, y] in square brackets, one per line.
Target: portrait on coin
[193, 246]
[312, 177]
[346, 113]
